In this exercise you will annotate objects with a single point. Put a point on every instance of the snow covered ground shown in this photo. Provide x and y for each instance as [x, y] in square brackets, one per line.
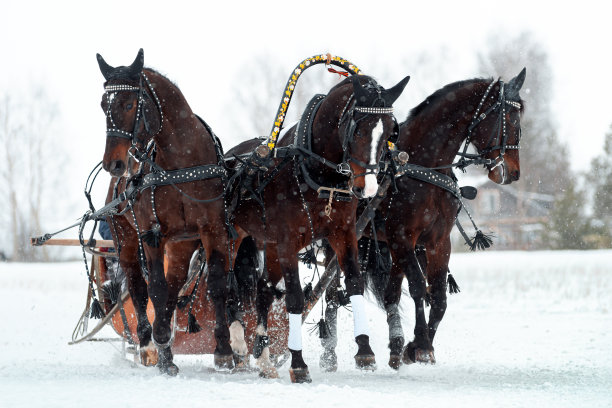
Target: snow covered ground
[528, 329]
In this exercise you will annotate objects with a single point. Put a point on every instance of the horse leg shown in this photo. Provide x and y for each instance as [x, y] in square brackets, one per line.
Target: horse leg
[393, 292]
[217, 287]
[243, 270]
[437, 271]
[137, 287]
[294, 301]
[329, 360]
[158, 291]
[347, 257]
[265, 298]
[419, 349]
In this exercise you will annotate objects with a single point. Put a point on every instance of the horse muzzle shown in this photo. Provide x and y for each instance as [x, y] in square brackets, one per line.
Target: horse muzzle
[116, 168]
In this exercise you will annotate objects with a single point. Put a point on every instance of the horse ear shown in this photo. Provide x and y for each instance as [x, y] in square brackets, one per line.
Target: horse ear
[104, 67]
[515, 84]
[361, 95]
[391, 95]
[136, 68]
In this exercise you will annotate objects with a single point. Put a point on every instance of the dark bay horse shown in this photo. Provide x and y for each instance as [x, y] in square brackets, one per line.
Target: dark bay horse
[481, 112]
[176, 202]
[349, 128]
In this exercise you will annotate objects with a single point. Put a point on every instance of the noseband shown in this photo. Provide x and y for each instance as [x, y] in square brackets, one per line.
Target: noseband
[115, 131]
[499, 138]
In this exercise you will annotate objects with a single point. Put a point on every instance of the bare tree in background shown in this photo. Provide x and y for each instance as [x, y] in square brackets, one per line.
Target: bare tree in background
[30, 160]
[544, 158]
[259, 90]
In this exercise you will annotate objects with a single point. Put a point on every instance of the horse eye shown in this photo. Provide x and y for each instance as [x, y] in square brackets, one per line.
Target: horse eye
[128, 107]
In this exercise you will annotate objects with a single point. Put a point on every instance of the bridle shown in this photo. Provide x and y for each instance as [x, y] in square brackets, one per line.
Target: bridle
[498, 140]
[349, 115]
[114, 131]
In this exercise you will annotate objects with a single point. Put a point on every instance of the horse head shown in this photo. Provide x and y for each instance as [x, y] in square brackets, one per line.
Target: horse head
[366, 124]
[496, 129]
[133, 113]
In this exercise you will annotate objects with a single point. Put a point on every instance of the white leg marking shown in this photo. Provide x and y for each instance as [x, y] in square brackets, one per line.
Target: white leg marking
[237, 342]
[371, 185]
[295, 332]
[360, 321]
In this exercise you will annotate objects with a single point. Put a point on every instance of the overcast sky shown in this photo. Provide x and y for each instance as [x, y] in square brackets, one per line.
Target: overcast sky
[204, 45]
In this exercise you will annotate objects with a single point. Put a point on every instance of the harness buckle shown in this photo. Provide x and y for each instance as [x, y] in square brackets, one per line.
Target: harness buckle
[344, 168]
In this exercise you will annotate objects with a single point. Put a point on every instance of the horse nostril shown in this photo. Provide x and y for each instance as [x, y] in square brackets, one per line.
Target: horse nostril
[117, 168]
[358, 191]
[515, 175]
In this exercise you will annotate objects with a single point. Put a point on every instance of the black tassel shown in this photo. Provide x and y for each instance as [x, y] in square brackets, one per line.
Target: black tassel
[452, 284]
[183, 301]
[261, 342]
[481, 241]
[308, 257]
[308, 294]
[96, 311]
[381, 265]
[343, 298]
[112, 291]
[192, 325]
[153, 236]
[323, 329]
[232, 284]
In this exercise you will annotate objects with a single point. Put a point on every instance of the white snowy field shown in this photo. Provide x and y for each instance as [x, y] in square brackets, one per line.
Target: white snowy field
[528, 329]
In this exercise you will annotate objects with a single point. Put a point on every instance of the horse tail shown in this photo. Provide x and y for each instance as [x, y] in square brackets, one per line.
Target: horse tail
[376, 266]
[246, 271]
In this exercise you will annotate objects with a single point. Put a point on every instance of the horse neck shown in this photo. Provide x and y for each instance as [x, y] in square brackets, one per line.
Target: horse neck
[183, 141]
[434, 137]
[326, 141]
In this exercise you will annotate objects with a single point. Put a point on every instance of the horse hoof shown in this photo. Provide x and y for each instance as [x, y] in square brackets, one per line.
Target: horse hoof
[365, 362]
[268, 372]
[170, 369]
[149, 356]
[425, 356]
[241, 363]
[299, 375]
[224, 362]
[416, 355]
[395, 361]
[329, 361]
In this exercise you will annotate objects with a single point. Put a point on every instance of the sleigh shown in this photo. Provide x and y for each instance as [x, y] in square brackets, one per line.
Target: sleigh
[121, 317]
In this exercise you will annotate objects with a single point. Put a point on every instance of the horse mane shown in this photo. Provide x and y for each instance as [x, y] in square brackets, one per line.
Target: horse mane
[154, 71]
[441, 93]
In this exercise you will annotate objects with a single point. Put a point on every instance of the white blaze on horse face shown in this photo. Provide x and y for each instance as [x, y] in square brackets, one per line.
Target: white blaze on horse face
[295, 332]
[371, 185]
